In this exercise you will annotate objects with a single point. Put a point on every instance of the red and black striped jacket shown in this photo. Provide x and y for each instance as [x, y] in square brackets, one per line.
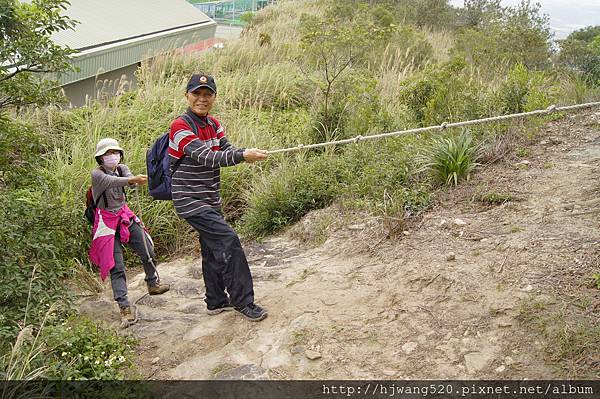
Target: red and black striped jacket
[196, 161]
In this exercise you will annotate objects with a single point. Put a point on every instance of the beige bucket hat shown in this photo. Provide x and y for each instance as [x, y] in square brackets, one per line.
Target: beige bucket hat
[105, 145]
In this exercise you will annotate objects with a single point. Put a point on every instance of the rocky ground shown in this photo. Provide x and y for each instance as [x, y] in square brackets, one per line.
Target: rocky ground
[494, 281]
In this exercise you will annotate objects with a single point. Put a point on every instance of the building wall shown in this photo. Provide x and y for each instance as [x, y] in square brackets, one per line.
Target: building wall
[109, 84]
[91, 81]
[101, 87]
[118, 55]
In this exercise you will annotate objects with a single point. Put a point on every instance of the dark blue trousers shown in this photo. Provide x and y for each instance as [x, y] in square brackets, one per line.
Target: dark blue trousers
[224, 264]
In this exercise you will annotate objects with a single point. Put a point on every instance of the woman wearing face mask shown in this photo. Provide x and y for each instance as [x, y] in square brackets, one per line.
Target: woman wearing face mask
[115, 223]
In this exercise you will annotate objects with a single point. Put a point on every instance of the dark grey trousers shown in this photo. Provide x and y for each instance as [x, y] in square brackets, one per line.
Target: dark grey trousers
[118, 279]
[224, 264]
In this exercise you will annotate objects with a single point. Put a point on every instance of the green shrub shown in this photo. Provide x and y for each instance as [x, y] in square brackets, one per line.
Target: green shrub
[364, 114]
[451, 159]
[21, 150]
[574, 89]
[40, 240]
[289, 193]
[406, 47]
[353, 108]
[68, 350]
[459, 98]
[513, 93]
[432, 14]
[247, 18]
[371, 168]
[378, 175]
[417, 92]
[260, 129]
[446, 93]
[580, 52]
[82, 350]
[525, 90]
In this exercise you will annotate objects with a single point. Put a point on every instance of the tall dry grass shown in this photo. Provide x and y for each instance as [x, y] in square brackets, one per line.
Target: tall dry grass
[441, 42]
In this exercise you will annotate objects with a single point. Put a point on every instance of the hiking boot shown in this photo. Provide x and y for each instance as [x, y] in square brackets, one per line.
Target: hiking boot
[126, 314]
[219, 309]
[252, 312]
[158, 288]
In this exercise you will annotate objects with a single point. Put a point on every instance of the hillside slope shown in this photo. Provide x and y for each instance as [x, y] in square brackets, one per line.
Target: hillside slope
[471, 298]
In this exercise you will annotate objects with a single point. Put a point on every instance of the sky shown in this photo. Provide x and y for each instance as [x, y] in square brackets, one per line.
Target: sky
[565, 15]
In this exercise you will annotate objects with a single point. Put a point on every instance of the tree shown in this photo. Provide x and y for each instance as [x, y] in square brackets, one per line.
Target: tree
[336, 42]
[28, 56]
[587, 34]
[479, 12]
[580, 51]
[433, 14]
[516, 35]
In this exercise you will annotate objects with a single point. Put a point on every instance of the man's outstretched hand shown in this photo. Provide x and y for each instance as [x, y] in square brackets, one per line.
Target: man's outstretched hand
[254, 154]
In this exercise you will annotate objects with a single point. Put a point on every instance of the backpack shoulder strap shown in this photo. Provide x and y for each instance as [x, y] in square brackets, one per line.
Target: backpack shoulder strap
[104, 197]
[96, 201]
[211, 122]
[120, 174]
[190, 123]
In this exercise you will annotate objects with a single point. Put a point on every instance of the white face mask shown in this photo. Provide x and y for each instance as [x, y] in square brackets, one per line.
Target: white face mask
[111, 161]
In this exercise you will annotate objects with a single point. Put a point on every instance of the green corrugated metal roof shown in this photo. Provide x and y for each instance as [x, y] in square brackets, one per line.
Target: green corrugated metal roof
[112, 34]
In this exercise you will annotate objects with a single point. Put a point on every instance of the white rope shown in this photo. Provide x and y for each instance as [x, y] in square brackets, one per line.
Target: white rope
[443, 126]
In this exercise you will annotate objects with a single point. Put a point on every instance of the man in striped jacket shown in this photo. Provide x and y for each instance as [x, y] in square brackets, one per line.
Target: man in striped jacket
[196, 160]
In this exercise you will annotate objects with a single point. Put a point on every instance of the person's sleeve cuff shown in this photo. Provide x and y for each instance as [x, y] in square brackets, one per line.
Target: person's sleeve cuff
[238, 156]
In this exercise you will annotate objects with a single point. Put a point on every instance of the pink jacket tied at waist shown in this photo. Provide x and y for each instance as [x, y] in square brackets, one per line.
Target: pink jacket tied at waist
[106, 224]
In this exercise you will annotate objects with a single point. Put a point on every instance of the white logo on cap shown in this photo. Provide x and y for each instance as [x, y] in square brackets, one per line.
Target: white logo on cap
[203, 79]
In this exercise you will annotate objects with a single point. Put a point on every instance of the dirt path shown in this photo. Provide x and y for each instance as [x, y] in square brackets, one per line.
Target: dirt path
[441, 300]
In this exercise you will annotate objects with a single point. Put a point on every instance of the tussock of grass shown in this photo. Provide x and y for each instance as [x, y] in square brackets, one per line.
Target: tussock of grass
[495, 198]
[451, 159]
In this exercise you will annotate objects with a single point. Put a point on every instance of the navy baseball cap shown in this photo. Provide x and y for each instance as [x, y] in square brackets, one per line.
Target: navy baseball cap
[199, 80]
